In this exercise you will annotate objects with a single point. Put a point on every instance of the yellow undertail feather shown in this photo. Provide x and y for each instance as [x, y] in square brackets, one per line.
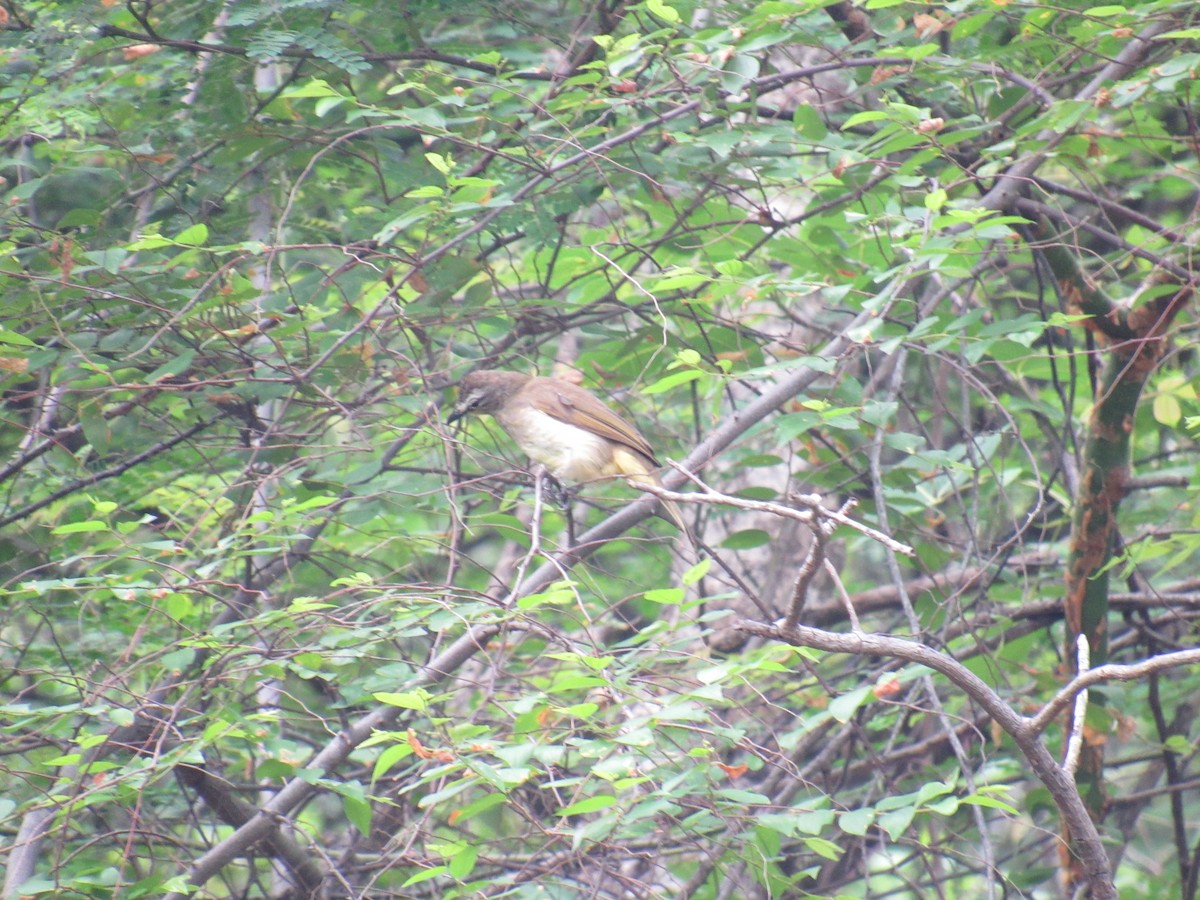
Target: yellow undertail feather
[632, 466]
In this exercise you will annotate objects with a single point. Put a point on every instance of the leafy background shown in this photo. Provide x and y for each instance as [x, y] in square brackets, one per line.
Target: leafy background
[271, 629]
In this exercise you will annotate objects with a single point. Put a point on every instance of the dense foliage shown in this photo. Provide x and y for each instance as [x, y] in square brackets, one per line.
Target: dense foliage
[906, 290]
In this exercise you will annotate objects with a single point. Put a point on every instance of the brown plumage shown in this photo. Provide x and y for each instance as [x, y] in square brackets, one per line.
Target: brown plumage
[566, 428]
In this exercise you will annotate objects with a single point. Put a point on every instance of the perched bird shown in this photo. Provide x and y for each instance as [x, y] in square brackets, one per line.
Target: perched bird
[567, 429]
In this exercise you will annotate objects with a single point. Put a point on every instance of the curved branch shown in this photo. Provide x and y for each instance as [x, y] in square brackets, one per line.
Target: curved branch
[1110, 208]
[1109, 672]
[814, 508]
[1087, 842]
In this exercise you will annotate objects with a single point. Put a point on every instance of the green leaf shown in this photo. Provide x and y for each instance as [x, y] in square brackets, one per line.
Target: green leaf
[932, 790]
[809, 123]
[895, 822]
[823, 848]
[746, 539]
[462, 863]
[741, 797]
[681, 279]
[426, 875]
[947, 806]
[1177, 743]
[673, 380]
[556, 595]
[482, 805]
[194, 236]
[663, 11]
[991, 803]
[856, 821]
[443, 164]
[172, 367]
[844, 706]
[358, 812]
[318, 502]
[1167, 410]
[149, 242]
[90, 525]
[864, 118]
[665, 595]
[38, 885]
[418, 700]
[588, 805]
[696, 572]
[12, 337]
[389, 758]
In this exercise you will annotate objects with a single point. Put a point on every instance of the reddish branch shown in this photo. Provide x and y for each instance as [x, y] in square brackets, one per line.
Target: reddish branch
[1134, 338]
[1105, 471]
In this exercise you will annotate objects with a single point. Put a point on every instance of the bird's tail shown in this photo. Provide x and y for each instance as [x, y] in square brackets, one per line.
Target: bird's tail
[667, 508]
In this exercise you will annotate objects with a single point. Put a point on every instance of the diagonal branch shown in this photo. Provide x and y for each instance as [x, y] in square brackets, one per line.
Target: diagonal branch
[1012, 183]
[111, 472]
[475, 639]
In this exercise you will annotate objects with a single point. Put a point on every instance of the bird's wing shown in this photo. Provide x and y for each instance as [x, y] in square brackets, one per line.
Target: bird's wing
[590, 413]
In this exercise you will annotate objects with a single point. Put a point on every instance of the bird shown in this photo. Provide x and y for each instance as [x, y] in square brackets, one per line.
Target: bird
[564, 427]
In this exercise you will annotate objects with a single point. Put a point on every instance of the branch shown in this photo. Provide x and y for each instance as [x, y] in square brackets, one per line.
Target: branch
[1033, 209]
[1087, 842]
[1109, 672]
[1110, 208]
[1075, 741]
[63, 435]
[815, 561]
[1011, 184]
[815, 507]
[111, 472]
[266, 820]
[220, 796]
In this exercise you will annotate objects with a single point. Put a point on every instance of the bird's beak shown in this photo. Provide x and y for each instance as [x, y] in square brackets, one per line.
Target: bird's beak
[455, 414]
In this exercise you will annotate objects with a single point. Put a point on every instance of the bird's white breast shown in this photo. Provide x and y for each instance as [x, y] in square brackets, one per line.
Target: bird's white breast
[568, 453]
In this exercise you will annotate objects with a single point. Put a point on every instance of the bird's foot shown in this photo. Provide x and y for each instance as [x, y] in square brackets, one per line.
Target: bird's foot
[545, 484]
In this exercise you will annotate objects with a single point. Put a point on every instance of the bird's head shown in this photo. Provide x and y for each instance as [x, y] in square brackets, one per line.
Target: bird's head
[485, 391]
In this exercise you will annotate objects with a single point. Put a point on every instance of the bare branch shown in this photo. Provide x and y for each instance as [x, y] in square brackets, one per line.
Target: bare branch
[1075, 741]
[815, 507]
[1109, 672]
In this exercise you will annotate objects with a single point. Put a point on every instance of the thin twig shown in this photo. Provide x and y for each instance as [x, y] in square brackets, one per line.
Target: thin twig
[844, 596]
[1083, 662]
[813, 560]
[815, 507]
[535, 533]
[111, 472]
